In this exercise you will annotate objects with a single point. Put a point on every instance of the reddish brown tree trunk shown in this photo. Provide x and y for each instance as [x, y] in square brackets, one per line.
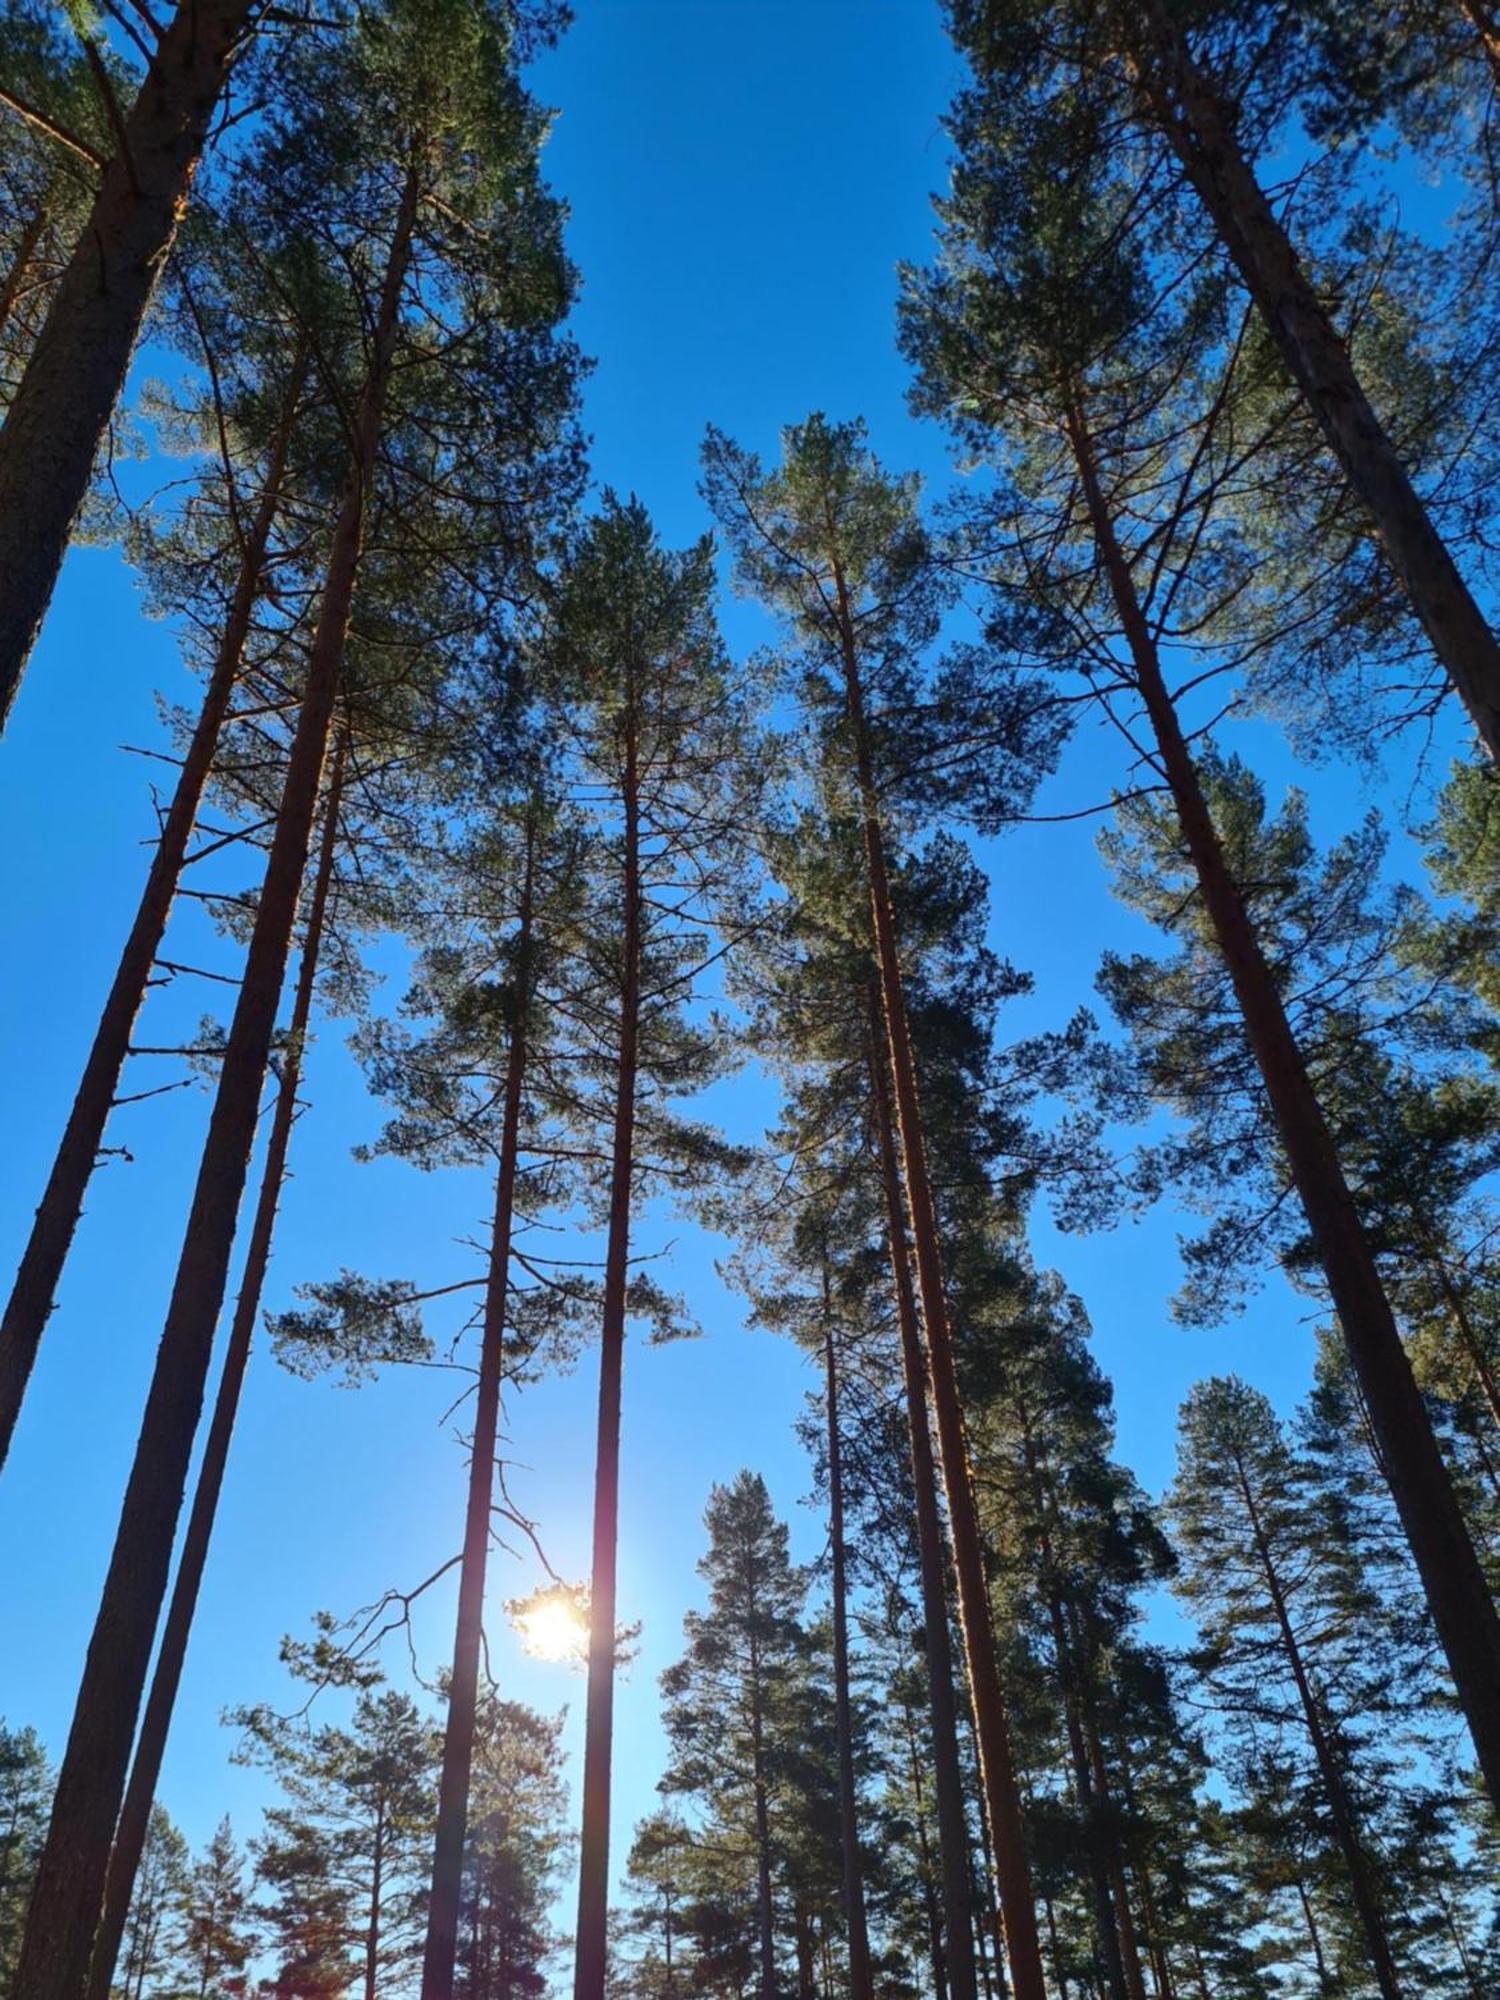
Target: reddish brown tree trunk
[992, 1727]
[593, 1878]
[1482, 20]
[73, 378]
[1198, 124]
[947, 1768]
[30, 1302]
[463, 1689]
[861, 1983]
[1462, 1609]
[166, 1676]
[69, 1888]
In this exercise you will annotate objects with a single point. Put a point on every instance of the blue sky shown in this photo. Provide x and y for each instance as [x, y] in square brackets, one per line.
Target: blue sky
[744, 176]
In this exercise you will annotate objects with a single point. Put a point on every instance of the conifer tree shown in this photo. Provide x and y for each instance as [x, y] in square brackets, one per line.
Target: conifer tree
[1130, 413]
[355, 1826]
[76, 369]
[516, 1851]
[1266, 1584]
[25, 1787]
[428, 112]
[217, 1938]
[654, 734]
[1184, 89]
[730, 1703]
[150, 1930]
[836, 546]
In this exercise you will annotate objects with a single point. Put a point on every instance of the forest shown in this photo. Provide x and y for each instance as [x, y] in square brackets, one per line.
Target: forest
[620, 937]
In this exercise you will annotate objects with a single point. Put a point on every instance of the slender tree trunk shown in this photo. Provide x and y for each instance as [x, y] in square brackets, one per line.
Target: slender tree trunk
[65, 398]
[1057, 1961]
[937, 1958]
[14, 282]
[1320, 1964]
[166, 1676]
[1335, 1791]
[593, 1877]
[372, 1936]
[1460, 1603]
[1482, 20]
[996, 1764]
[30, 1302]
[463, 1688]
[69, 1889]
[947, 1769]
[764, 1907]
[1199, 126]
[1469, 1338]
[861, 1983]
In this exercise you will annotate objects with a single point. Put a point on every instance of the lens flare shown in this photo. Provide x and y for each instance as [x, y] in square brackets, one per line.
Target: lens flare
[553, 1625]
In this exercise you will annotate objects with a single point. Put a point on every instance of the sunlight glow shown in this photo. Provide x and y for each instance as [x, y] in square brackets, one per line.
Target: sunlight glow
[553, 1625]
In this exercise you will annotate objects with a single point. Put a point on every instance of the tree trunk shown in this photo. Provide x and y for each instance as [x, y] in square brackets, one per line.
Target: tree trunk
[145, 1768]
[764, 1909]
[20, 264]
[63, 403]
[1335, 1791]
[936, 1956]
[372, 1935]
[463, 1689]
[69, 1887]
[593, 1874]
[1199, 126]
[947, 1769]
[1461, 1606]
[1482, 20]
[30, 1302]
[861, 1984]
[1325, 1981]
[996, 1765]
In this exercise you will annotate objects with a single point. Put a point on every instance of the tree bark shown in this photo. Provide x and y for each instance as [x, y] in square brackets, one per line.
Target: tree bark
[69, 1888]
[765, 1912]
[593, 1877]
[74, 376]
[372, 1935]
[992, 1726]
[15, 277]
[30, 1304]
[463, 1690]
[947, 1768]
[1482, 20]
[1462, 1609]
[145, 1767]
[861, 1983]
[1335, 1791]
[1199, 126]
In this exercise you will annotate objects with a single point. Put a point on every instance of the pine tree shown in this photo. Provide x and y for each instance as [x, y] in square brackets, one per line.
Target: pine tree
[1182, 89]
[654, 733]
[149, 1955]
[428, 108]
[352, 1839]
[25, 1787]
[217, 1937]
[837, 547]
[516, 1852]
[1079, 339]
[76, 368]
[729, 1704]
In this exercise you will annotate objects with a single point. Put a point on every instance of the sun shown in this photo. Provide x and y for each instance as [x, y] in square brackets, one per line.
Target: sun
[553, 1623]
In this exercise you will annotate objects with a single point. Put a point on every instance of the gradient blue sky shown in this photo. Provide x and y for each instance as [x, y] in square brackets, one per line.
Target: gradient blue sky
[744, 175]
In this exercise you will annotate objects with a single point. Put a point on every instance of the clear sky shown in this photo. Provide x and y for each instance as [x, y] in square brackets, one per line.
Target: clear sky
[744, 176]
